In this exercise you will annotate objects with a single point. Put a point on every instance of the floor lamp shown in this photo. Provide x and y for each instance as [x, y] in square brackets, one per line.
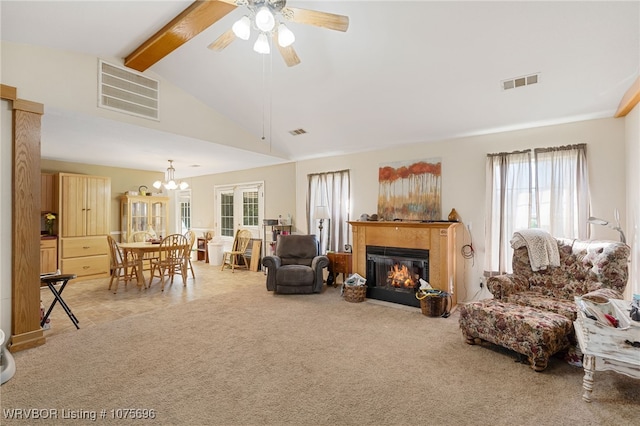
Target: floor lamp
[602, 222]
[321, 213]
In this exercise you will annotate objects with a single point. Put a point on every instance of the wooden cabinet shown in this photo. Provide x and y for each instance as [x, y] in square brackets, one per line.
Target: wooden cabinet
[47, 193]
[143, 213]
[84, 205]
[84, 223]
[48, 255]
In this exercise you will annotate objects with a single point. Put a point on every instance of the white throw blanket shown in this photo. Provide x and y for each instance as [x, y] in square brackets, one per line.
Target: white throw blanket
[542, 247]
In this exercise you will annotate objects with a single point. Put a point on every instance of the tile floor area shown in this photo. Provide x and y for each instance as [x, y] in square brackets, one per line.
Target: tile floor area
[92, 303]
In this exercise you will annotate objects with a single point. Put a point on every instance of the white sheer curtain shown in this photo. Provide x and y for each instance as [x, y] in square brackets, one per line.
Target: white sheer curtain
[562, 189]
[508, 206]
[330, 189]
[556, 200]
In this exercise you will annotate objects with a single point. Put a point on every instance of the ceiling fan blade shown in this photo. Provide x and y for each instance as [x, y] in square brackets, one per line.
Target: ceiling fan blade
[314, 17]
[199, 16]
[223, 41]
[289, 55]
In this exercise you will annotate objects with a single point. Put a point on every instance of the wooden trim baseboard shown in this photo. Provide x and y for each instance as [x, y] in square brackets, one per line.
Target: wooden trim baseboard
[28, 340]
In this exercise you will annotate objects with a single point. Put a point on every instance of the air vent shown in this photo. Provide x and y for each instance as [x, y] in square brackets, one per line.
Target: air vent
[522, 81]
[122, 90]
[297, 132]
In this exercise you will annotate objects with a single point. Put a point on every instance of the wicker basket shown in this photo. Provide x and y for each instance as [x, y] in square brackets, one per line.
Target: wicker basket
[354, 293]
[433, 306]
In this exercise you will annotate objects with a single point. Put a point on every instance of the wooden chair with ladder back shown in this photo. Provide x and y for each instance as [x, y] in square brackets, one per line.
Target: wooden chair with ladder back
[123, 265]
[236, 258]
[172, 259]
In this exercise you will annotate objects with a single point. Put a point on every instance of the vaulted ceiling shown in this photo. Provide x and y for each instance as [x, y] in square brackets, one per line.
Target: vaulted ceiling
[404, 72]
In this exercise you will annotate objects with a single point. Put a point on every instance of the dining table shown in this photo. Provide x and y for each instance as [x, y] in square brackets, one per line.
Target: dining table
[139, 249]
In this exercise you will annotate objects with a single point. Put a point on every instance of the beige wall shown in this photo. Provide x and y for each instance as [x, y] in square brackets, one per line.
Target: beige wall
[279, 190]
[463, 172]
[632, 228]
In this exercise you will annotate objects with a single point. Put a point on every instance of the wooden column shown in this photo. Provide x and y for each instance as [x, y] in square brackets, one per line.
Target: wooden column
[25, 210]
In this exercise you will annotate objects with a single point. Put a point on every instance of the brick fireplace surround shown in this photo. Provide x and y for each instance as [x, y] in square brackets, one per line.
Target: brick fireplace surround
[442, 239]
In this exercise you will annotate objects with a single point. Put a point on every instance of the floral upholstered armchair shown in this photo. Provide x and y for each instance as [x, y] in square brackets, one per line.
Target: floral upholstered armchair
[585, 267]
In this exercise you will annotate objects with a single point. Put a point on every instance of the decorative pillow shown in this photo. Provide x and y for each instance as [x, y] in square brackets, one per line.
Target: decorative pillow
[602, 295]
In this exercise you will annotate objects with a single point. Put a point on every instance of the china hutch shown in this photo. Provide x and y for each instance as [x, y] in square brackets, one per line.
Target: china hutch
[143, 213]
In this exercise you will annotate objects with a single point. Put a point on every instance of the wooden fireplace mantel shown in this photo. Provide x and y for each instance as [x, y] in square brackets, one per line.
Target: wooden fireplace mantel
[442, 239]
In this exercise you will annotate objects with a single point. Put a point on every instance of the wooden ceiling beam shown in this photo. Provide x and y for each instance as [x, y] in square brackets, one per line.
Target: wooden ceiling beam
[629, 100]
[199, 16]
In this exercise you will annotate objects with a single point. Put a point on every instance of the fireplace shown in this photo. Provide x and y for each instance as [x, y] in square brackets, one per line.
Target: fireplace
[393, 273]
[442, 240]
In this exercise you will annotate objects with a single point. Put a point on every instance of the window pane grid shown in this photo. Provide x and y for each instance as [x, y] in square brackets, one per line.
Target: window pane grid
[226, 215]
[250, 208]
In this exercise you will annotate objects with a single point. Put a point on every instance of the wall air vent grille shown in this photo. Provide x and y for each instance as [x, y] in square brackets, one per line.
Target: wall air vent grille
[120, 89]
[522, 81]
[297, 132]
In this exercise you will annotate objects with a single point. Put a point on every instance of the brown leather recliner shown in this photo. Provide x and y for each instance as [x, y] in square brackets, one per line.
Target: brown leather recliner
[297, 266]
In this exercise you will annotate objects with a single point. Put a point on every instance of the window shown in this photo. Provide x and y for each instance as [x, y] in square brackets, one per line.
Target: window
[250, 208]
[184, 206]
[329, 189]
[239, 206]
[226, 214]
[548, 190]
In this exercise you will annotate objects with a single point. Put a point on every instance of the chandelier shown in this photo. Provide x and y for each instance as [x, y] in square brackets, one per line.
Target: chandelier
[264, 17]
[170, 182]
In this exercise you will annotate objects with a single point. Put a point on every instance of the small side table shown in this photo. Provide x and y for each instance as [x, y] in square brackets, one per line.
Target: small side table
[339, 263]
[607, 348]
[51, 281]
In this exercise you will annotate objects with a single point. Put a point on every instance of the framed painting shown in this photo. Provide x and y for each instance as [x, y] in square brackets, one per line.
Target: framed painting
[410, 190]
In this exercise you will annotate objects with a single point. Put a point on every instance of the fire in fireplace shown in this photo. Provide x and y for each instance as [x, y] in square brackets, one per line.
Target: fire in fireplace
[394, 273]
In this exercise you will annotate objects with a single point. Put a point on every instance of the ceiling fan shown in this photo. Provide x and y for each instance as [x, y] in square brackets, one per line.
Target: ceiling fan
[201, 14]
[266, 16]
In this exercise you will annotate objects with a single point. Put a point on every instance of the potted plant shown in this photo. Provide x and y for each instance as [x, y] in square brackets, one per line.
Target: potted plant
[49, 221]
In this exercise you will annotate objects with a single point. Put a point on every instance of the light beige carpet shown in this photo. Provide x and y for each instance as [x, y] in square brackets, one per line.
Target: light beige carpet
[246, 356]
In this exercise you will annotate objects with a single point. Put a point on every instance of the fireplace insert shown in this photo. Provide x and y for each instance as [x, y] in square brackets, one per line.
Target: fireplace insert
[394, 273]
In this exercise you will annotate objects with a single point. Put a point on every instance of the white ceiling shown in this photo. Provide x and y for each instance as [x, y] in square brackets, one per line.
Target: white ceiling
[404, 72]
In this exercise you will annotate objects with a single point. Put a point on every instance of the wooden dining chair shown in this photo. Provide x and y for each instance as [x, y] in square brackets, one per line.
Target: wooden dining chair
[191, 239]
[123, 266]
[238, 251]
[172, 258]
[140, 237]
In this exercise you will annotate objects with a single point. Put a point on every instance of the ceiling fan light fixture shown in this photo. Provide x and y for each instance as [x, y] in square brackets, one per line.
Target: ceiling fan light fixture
[262, 44]
[242, 28]
[285, 36]
[265, 20]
